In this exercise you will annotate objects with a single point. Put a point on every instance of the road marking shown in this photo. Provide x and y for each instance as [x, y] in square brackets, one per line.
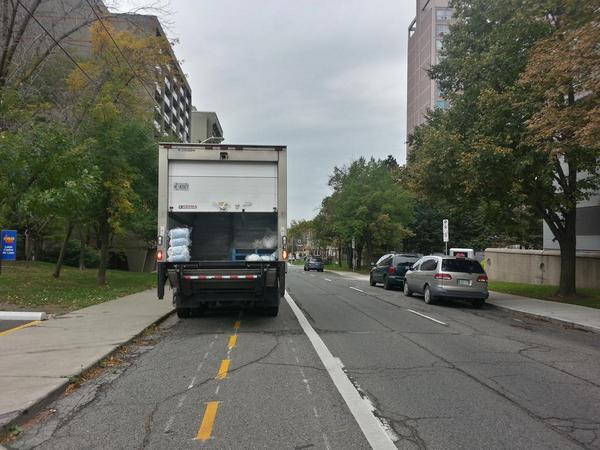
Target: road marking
[297, 359]
[192, 383]
[371, 427]
[427, 317]
[223, 369]
[217, 389]
[316, 412]
[210, 413]
[357, 289]
[308, 389]
[169, 424]
[205, 355]
[232, 341]
[211, 344]
[294, 349]
[199, 366]
[20, 327]
[326, 279]
[181, 400]
[326, 441]
[237, 325]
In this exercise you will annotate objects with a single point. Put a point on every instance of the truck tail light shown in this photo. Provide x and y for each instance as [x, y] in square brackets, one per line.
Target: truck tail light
[159, 255]
[391, 270]
[442, 276]
[284, 254]
[482, 278]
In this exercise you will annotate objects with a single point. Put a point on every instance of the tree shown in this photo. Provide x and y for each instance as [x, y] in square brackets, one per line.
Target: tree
[511, 136]
[366, 205]
[117, 120]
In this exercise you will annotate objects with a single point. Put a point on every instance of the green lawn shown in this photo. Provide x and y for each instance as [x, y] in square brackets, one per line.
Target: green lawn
[345, 268]
[31, 286]
[585, 297]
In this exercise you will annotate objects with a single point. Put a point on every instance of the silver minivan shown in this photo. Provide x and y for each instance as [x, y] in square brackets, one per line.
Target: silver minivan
[447, 277]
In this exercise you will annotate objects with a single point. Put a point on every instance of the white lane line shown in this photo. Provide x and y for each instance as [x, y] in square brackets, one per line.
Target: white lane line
[217, 389]
[371, 427]
[199, 366]
[326, 279]
[316, 412]
[181, 400]
[427, 317]
[169, 424]
[297, 360]
[357, 289]
[211, 344]
[308, 389]
[326, 441]
[205, 355]
[192, 383]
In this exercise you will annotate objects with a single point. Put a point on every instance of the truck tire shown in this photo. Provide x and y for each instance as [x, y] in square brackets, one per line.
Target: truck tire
[271, 311]
[184, 313]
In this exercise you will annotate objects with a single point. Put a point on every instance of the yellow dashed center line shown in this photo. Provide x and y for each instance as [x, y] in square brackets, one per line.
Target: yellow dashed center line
[210, 414]
[223, 369]
[232, 341]
[20, 327]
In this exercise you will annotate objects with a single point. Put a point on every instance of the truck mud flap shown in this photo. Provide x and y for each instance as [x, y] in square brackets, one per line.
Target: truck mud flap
[162, 278]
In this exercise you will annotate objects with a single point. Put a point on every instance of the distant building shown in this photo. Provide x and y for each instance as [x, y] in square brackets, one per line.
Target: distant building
[425, 35]
[173, 95]
[205, 125]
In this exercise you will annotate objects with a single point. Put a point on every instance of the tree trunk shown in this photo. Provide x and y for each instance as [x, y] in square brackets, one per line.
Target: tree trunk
[568, 255]
[350, 257]
[340, 254]
[359, 251]
[83, 242]
[369, 246]
[63, 250]
[104, 235]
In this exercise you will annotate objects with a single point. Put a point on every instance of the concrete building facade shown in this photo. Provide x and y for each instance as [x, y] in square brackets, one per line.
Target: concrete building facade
[205, 125]
[425, 35]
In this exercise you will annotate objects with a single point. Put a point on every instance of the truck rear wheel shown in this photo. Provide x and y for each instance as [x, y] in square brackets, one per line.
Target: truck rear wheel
[271, 311]
[184, 313]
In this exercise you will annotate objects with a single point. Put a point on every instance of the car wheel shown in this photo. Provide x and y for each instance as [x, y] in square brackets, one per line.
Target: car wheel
[387, 284]
[406, 290]
[305, 269]
[371, 280]
[184, 313]
[427, 296]
[320, 270]
[478, 303]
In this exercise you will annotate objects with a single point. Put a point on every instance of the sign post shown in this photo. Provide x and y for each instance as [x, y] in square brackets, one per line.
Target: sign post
[446, 233]
[353, 254]
[8, 245]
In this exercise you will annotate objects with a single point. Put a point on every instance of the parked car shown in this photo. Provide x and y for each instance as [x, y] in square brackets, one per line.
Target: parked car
[314, 263]
[447, 277]
[391, 268]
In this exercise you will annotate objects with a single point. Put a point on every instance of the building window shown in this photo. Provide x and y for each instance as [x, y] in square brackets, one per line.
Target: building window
[442, 29]
[443, 14]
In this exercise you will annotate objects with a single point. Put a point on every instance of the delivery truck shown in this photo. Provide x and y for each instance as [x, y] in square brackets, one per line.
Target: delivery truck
[222, 226]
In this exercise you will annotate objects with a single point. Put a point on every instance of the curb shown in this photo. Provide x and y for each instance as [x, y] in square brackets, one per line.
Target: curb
[561, 322]
[22, 315]
[20, 416]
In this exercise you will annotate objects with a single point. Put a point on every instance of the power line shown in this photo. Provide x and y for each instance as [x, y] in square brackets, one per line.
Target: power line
[55, 41]
[122, 54]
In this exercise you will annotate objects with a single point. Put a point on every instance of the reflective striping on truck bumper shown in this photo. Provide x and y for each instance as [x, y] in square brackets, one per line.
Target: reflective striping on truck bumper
[221, 277]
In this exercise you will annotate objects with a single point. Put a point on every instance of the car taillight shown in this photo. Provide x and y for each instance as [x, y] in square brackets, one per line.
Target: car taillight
[391, 269]
[159, 255]
[442, 276]
[482, 278]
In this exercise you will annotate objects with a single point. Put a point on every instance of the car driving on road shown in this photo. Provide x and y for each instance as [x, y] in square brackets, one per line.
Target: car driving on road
[390, 269]
[447, 277]
[314, 263]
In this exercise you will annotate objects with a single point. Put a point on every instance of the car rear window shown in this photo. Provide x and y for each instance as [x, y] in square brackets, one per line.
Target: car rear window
[316, 259]
[406, 262]
[462, 266]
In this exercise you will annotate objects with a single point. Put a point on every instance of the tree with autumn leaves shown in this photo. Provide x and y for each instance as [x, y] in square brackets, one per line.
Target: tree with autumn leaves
[523, 133]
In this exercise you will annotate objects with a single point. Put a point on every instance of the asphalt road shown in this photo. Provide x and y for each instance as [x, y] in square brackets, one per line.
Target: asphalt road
[451, 378]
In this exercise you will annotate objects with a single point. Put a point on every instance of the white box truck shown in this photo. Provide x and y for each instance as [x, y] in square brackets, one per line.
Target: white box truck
[232, 200]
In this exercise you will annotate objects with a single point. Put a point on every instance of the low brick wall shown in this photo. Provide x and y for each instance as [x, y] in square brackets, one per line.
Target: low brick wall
[539, 267]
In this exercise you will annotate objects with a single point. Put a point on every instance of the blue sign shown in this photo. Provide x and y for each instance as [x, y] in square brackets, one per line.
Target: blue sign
[8, 242]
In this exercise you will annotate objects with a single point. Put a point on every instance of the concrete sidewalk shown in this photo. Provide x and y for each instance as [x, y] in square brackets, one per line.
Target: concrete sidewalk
[37, 361]
[563, 313]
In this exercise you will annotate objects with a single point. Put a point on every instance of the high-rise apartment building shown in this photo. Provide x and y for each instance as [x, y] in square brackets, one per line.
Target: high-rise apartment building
[425, 35]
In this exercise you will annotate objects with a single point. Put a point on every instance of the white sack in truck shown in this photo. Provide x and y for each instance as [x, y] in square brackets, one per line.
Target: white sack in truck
[183, 233]
[180, 240]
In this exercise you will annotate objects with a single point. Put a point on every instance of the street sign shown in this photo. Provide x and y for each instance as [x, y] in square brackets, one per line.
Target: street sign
[445, 230]
[8, 241]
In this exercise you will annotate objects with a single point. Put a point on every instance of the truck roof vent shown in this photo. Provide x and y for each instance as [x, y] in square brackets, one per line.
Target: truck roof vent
[224, 155]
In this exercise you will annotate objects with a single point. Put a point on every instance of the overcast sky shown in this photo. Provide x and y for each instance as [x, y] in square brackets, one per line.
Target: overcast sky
[327, 78]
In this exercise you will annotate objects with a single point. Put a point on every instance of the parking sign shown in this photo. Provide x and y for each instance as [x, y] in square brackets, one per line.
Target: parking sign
[445, 230]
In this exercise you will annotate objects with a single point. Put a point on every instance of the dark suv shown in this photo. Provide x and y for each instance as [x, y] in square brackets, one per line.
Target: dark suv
[391, 268]
[314, 263]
